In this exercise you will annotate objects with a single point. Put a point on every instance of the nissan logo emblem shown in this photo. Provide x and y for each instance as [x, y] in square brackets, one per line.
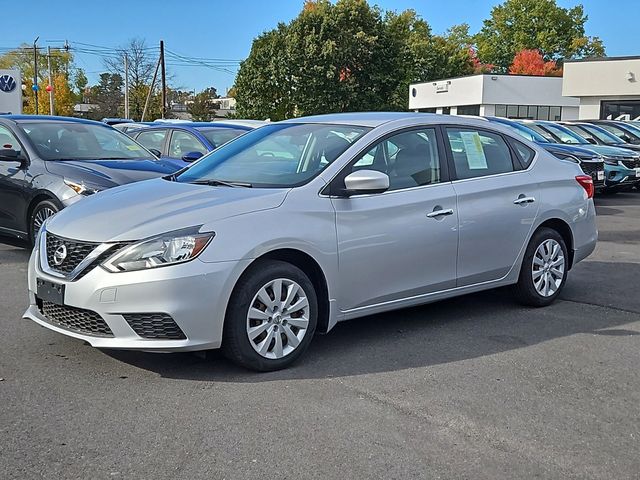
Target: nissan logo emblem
[7, 83]
[59, 255]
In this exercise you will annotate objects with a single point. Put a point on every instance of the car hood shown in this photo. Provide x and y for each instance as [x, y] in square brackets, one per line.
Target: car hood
[612, 151]
[103, 174]
[571, 149]
[153, 207]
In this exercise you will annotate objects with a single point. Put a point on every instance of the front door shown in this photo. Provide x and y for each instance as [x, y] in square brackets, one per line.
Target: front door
[12, 187]
[403, 242]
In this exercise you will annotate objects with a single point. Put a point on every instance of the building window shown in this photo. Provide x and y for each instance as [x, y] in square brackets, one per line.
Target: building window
[427, 110]
[529, 112]
[446, 110]
[469, 110]
[628, 109]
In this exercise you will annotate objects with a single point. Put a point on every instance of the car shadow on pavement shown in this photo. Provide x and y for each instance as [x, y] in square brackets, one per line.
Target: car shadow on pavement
[464, 328]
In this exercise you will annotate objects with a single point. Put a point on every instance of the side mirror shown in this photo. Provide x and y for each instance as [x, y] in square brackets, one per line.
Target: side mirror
[191, 156]
[592, 140]
[9, 155]
[157, 153]
[365, 181]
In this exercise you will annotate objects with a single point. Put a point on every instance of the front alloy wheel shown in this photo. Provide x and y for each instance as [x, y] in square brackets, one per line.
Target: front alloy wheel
[278, 318]
[40, 213]
[271, 316]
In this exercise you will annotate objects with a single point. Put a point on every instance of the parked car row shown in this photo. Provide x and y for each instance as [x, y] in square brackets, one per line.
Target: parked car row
[48, 163]
[612, 161]
[295, 226]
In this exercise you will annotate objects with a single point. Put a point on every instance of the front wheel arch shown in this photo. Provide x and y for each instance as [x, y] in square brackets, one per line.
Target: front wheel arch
[41, 197]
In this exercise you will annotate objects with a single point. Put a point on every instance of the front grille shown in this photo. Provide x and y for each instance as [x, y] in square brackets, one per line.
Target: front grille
[75, 319]
[159, 326]
[75, 253]
[631, 163]
[592, 168]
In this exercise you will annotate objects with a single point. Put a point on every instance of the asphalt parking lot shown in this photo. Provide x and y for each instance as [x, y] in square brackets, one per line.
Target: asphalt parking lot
[476, 388]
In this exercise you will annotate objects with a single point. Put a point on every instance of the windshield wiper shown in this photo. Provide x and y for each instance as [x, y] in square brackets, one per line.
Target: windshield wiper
[217, 183]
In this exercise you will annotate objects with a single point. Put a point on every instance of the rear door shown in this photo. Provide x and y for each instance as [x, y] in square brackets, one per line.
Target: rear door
[403, 242]
[497, 203]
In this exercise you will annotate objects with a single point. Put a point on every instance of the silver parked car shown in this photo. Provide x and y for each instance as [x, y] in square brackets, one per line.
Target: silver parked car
[300, 224]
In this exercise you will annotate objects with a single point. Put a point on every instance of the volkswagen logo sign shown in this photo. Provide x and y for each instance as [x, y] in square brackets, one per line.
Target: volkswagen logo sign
[7, 83]
[59, 255]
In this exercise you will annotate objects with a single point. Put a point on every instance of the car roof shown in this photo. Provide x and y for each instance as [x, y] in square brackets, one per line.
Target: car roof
[363, 119]
[197, 125]
[50, 118]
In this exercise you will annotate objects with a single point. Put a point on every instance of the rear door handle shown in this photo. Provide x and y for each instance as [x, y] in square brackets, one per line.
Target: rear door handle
[439, 213]
[522, 199]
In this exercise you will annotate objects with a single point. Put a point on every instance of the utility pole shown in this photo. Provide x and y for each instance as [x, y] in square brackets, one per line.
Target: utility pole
[164, 80]
[126, 86]
[153, 84]
[50, 87]
[35, 71]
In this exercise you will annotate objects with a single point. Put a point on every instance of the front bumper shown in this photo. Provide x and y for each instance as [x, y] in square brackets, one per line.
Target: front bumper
[193, 294]
[618, 176]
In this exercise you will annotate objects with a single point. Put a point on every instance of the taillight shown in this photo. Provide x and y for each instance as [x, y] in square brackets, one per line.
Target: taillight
[587, 183]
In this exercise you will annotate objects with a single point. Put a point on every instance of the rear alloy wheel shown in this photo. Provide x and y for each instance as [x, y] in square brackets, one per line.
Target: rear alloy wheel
[40, 213]
[544, 269]
[271, 317]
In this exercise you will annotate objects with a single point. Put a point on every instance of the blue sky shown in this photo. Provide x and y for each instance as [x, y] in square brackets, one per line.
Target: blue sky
[225, 29]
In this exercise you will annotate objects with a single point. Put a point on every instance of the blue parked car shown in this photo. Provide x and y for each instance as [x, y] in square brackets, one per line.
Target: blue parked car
[622, 165]
[183, 143]
[591, 162]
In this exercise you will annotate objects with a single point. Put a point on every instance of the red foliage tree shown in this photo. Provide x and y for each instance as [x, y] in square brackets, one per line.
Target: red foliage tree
[478, 66]
[531, 62]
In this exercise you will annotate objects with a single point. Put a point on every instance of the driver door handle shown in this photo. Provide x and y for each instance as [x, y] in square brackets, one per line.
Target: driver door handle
[440, 212]
[522, 199]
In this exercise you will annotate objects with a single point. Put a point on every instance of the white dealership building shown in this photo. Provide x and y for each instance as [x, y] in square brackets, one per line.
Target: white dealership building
[592, 88]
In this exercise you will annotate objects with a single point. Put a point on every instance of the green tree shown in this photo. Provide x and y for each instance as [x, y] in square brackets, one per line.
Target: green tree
[203, 108]
[107, 96]
[558, 33]
[347, 56]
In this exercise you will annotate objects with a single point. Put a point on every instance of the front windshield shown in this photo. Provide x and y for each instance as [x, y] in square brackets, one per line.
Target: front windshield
[629, 135]
[526, 132]
[81, 141]
[278, 155]
[538, 129]
[602, 135]
[565, 135]
[218, 136]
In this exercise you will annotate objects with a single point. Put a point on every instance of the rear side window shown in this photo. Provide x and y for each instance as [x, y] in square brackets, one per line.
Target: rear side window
[152, 139]
[523, 153]
[477, 153]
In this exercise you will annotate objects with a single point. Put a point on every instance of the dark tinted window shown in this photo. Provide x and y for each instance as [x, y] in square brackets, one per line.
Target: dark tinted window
[477, 153]
[524, 153]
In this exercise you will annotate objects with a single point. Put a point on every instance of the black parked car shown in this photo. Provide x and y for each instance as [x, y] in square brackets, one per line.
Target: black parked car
[48, 163]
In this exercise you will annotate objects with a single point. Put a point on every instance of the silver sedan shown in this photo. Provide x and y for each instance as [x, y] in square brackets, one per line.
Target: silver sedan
[301, 224]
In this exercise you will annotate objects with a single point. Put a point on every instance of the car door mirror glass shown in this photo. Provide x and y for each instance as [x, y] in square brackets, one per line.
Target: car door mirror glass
[191, 156]
[366, 181]
[9, 155]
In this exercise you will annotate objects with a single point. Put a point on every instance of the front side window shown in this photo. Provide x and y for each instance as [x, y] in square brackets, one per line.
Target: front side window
[602, 135]
[620, 133]
[8, 141]
[81, 141]
[183, 143]
[565, 135]
[410, 159]
[278, 155]
[478, 153]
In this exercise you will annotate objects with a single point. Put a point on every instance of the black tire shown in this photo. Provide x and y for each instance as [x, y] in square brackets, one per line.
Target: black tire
[525, 290]
[236, 345]
[44, 207]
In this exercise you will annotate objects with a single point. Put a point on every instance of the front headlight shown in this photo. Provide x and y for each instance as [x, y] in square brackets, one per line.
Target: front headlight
[80, 188]
[167, 249]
